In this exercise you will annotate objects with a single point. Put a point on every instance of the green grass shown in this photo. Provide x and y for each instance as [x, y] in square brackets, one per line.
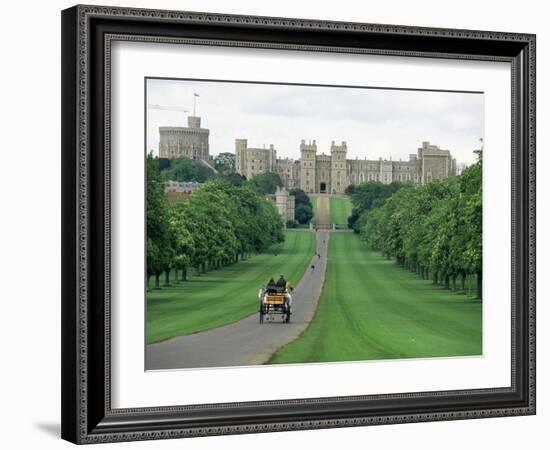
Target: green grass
[340, 210]
[371, 308]
[225, 295]
[313, 201]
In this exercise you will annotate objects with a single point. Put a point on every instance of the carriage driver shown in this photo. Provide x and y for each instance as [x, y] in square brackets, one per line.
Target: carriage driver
[281, 282]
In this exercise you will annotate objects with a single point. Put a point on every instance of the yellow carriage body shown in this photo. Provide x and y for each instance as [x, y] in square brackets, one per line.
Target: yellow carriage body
[275, 299]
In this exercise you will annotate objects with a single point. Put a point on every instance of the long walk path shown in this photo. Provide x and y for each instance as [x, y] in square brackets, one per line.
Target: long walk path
[323, 212]
[248, 342]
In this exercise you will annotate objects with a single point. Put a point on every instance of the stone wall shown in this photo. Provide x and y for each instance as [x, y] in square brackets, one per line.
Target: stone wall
[250, 162]
[332, 174]
[190, 142]
[284, 202]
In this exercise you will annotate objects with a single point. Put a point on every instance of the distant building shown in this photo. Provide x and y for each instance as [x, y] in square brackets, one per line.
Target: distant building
[250, 162]
[177, 192]
[289, 172]
[333, 173]
[313, 172]
[284, 202]
[190, 142]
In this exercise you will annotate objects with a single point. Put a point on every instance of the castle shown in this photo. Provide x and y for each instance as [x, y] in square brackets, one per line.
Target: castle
[284, 202]
[190, 142]
[313, 173]
[333, 173]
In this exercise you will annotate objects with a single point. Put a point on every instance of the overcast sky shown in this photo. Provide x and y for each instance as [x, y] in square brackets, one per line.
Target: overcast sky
[374, 122]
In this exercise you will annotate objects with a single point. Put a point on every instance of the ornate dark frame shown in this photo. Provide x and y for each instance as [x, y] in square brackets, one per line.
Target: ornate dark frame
[87, 32]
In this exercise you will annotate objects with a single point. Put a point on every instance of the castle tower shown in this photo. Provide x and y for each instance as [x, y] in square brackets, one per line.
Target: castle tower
[240, 156]
[338, 171]
[308, 154]
[193, 122]
[250, 162]
[284, 202]
[436, 163]
[190, 142]
[272, 158]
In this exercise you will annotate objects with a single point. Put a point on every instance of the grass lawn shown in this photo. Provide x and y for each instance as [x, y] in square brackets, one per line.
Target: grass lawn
[371, 308]
[226, 295]
[340, 210]
[313, 201]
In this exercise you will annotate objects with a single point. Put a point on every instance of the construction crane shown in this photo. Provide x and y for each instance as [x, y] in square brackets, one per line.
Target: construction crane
[175, 108]
[167, 108]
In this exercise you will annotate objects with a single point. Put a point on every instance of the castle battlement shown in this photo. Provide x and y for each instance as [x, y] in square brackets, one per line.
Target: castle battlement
[190, 142]
[333, 173]
[314, 173]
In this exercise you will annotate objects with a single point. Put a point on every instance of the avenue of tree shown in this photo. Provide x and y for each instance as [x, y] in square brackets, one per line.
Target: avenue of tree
[227, 295]
[434, 230]
[221, 223]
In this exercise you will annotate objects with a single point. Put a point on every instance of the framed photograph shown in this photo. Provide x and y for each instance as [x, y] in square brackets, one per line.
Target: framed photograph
[279, 224]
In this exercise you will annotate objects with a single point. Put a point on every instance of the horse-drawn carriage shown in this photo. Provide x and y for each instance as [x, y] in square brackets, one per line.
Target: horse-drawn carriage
[275, 301]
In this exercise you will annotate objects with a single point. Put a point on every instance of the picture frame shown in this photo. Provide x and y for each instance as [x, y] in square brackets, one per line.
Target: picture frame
[87, 413]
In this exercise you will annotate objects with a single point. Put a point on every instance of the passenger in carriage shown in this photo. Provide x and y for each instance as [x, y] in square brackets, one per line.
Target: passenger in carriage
[271, 286]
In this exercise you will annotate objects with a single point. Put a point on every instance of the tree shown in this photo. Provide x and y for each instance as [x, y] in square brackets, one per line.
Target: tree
[217, 225]
[159, 249]
[300, 197]
[290, 224]
[266, 183]
[303, 209]
[368, 195]
[205, 172]
[182, 170]
[224, 163]
[303, 213]
[432, 229]
[182, 239]
[235, 179]
[350, 189]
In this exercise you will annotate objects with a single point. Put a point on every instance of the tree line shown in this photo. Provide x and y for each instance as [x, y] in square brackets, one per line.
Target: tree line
[268, 182]
[220, 224]
[183, 169]
[434, 229]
